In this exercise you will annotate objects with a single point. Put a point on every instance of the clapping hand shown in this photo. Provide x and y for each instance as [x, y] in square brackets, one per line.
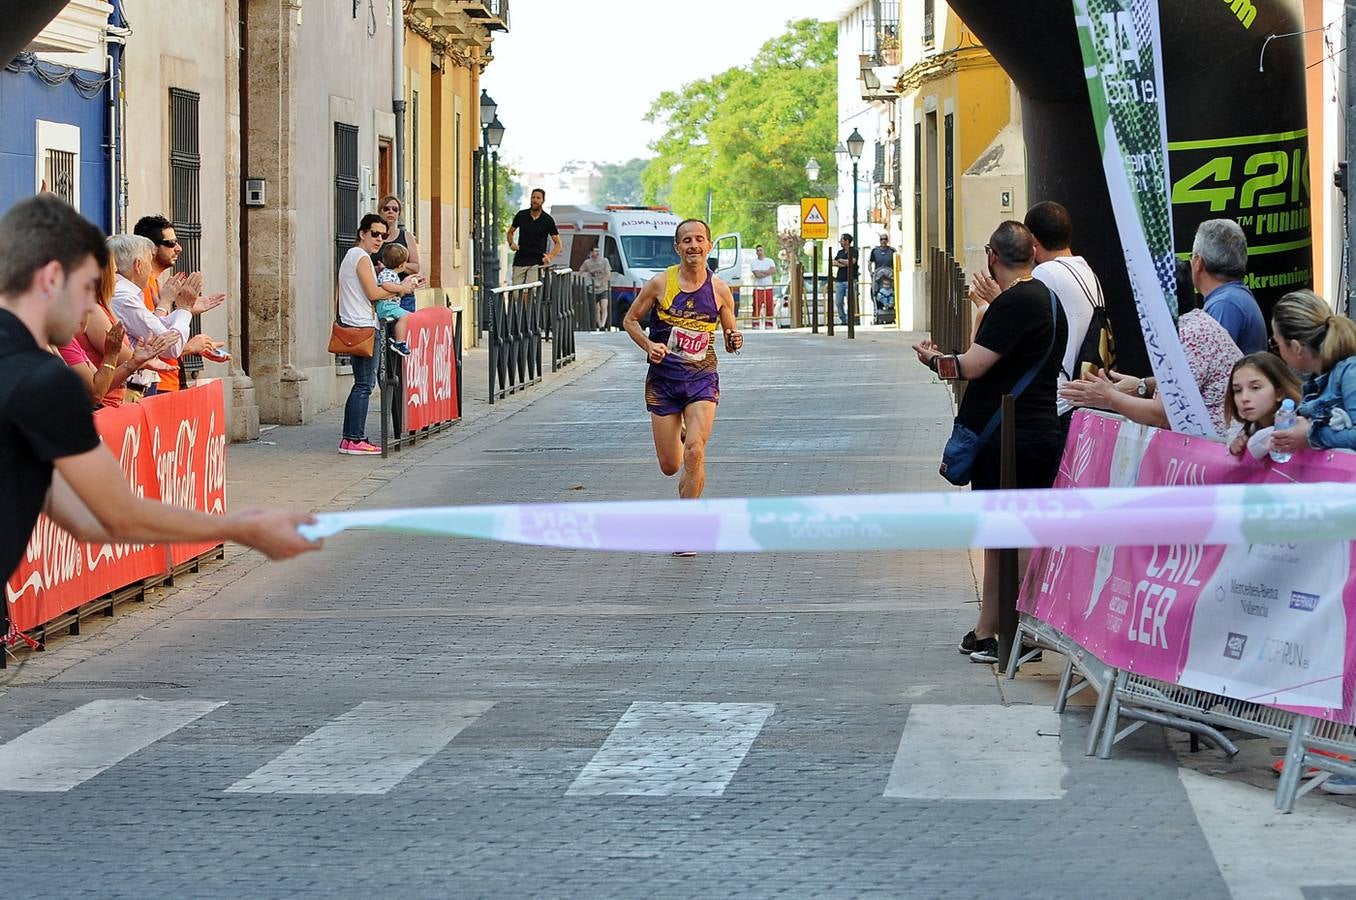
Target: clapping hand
[200, 343]
[113, 339]
[983, 289]
[1094, 390]
[926, 350]
[153, 348]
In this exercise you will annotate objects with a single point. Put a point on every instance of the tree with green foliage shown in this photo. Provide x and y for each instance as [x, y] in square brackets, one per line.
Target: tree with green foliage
[621, 182]
[745, 134]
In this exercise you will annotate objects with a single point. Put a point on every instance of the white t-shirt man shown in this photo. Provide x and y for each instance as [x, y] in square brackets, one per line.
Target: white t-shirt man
[1072, 280]
[762, 270]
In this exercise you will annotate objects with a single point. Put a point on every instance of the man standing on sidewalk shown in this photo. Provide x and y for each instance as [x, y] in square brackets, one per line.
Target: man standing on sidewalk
[682, 387]
[883, 280]
[51, 262]
[599, 271]
[845, 262]
[533, 226]
[763, 270]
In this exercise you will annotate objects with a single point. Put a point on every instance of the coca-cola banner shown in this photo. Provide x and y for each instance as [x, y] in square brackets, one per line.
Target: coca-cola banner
[431, 369]
[186, 431]
[183, 453]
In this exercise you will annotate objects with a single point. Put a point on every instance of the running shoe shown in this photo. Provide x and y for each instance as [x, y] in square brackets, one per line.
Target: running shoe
[967, 643]
[359, 448]
[1339, 784]
[986, 650]
[400, 347]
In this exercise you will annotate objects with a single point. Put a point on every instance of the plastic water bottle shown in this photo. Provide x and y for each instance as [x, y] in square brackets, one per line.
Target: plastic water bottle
[1285, 420]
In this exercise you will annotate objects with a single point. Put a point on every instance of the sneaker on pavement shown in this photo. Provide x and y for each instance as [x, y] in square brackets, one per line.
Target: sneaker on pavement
[400, 347]
[967, 643]
[986, 650]
[1339, 784]
[359, 448]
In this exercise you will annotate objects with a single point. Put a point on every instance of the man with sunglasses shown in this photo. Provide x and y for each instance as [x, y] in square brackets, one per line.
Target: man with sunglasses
[179, 291]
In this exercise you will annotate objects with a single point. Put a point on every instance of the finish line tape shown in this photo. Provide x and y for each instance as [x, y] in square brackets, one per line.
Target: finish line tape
[1130, 516]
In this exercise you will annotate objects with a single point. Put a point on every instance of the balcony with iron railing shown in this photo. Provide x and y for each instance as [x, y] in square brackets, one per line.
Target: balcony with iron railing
[494, 14]
[880, 33]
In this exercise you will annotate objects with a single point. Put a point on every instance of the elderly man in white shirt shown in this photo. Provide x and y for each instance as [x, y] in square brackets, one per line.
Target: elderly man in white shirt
[132, 254]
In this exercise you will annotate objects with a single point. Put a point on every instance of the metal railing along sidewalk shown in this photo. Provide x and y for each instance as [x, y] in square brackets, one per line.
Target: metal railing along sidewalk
[513, 321]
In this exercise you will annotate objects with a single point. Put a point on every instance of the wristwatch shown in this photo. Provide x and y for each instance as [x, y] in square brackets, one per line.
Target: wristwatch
[1142, 389]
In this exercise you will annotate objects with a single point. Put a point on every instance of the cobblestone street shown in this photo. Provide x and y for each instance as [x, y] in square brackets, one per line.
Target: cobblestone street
[415, 717]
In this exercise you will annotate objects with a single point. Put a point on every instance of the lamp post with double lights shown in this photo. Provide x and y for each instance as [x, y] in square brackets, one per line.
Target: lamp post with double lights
[494, 135]
[488, 109]
[855, 144]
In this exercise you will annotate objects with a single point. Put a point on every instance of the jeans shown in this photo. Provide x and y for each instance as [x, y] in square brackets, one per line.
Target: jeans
[355, 410]
[841, 293]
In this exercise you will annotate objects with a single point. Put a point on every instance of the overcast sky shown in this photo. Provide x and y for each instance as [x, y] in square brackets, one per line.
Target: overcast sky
[573, 80]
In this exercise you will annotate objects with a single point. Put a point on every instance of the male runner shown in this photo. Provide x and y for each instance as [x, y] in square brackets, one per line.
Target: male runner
[682, 387]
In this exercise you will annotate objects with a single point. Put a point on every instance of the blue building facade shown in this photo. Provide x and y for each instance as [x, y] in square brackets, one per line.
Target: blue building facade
[57, 136]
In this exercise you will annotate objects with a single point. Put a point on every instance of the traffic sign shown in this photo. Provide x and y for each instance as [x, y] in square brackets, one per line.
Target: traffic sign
[814, 218]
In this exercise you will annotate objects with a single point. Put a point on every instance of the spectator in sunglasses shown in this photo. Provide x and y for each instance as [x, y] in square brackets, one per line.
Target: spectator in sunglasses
[163, 293]
[391, 213]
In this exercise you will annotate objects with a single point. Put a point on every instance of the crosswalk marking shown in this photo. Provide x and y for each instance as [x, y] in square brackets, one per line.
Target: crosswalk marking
[978, 753]
[75, 746]
[673, 749]
[368, 750]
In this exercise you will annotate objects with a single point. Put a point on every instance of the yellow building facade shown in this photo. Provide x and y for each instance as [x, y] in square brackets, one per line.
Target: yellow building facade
[447, 47]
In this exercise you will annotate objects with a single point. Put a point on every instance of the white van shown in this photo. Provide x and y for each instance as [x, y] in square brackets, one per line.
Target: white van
[638, 242]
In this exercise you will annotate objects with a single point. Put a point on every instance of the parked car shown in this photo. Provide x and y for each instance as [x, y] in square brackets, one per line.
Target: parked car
[782, 299]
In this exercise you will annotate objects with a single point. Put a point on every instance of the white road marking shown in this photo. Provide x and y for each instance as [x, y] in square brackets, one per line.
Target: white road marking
[368, 750]
[984, 752]
[1266, 855]
[673, 749]
[75, 746]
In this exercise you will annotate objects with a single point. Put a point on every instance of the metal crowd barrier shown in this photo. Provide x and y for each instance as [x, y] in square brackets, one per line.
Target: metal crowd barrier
[391, 380]
[1311, 742]
[560, 295]
[514, 325]
[949, 309]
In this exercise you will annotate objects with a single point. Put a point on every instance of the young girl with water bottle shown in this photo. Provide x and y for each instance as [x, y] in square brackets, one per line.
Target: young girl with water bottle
[1320, 346]
[1258, 385]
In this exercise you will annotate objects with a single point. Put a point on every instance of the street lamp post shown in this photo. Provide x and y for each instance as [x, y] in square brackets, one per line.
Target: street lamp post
[494, 136]
[855, 144]
[488, 110]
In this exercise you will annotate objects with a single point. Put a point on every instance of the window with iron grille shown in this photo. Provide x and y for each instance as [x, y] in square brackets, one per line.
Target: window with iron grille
[59, 174]
[878, 172]
[345, 190]
[928, 27]
[185, 163]
[949, 152]
[918, 193]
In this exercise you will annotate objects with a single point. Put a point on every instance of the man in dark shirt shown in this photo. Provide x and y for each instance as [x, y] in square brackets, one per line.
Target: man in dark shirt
[51, 261]
[533, 227]
[883, 279]
[1015, 334]
[845, 264]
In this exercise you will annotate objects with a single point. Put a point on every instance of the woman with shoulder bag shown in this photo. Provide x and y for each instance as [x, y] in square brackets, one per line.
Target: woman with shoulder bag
[1013, 352]
[356, 328]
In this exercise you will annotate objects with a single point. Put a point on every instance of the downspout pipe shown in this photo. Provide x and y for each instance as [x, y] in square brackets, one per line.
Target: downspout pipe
[398, 104]
[115, 47]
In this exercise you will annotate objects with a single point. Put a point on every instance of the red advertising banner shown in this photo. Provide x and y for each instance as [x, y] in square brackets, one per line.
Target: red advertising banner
[430, 369]
[186, 432]
[58, 573]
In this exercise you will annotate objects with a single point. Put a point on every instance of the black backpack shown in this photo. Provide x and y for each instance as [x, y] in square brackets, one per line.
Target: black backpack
[1098, 350]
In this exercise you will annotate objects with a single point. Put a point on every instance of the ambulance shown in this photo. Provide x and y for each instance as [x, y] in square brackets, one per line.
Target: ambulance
[638, 242]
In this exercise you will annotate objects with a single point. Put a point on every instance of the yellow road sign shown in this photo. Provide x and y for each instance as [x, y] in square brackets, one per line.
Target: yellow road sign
[814, 218]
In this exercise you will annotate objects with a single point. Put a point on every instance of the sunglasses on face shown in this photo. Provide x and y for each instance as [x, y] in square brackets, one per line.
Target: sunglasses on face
[379, 235]
[168, 245]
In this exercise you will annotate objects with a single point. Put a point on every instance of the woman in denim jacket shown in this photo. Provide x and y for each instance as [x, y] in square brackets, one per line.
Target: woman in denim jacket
[1320, 346]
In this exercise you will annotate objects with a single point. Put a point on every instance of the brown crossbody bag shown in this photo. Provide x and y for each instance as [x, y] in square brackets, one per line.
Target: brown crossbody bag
[350, 341]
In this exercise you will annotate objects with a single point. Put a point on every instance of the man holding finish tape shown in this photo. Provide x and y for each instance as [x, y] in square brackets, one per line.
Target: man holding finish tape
[50, 264]
[682, 387]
